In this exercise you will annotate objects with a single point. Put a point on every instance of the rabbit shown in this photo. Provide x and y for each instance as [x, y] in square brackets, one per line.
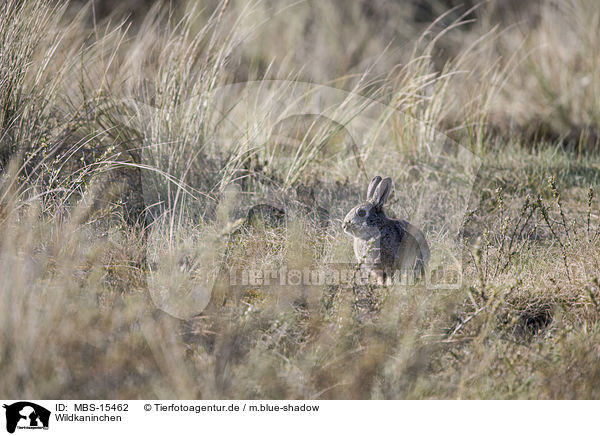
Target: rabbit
[381, 244]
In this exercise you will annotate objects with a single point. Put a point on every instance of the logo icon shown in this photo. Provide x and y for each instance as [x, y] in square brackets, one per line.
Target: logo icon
[26, 415]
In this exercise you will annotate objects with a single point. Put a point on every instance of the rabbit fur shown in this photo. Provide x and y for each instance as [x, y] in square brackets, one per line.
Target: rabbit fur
[381, 244]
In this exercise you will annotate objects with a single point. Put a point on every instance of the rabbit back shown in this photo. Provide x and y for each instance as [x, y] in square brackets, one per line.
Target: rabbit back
[412, 252]
[401, 246]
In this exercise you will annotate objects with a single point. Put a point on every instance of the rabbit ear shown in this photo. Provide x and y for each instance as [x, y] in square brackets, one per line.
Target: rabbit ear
[382, 192]
[372, 186]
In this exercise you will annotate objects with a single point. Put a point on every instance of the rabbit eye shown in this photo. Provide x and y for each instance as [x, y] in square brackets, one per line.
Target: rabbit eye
[361, 212]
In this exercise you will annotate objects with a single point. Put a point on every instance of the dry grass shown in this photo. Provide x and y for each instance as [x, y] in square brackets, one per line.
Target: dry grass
[128, 162]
